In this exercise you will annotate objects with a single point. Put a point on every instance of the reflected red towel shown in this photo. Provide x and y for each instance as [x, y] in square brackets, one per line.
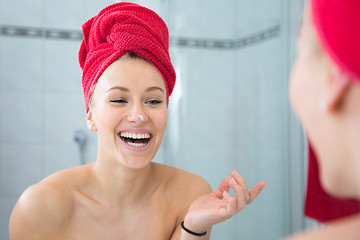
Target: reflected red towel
[118, 29]
[337, 23]
[318, 204]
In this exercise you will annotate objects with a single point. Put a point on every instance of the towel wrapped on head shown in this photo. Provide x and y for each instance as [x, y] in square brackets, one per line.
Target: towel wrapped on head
[119, 29]
[337, 23]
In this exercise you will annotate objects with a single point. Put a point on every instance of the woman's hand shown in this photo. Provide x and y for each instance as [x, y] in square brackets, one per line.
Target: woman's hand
[219, 205]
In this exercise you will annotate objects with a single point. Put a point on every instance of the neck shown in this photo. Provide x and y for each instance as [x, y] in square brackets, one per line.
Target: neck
[117, 185]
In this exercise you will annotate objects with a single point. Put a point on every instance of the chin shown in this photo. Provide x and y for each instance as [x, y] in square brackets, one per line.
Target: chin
[337, 184]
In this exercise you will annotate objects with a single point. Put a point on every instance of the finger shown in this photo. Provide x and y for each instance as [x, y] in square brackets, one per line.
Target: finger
[231, 206]
[224, 186]
[241, 195]
[241, 181]
[256, 191]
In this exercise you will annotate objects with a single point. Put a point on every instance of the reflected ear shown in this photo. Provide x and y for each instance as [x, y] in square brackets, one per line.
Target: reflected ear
[338, 84]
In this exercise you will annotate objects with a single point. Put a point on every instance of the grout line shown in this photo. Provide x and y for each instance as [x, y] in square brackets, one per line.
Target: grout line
[31, 32]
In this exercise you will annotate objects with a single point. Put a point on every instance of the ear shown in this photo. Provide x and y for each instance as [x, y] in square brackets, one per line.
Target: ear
[338, 84]
[90, 122]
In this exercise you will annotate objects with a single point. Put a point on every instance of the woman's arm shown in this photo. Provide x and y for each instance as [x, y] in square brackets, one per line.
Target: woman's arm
[217, 206]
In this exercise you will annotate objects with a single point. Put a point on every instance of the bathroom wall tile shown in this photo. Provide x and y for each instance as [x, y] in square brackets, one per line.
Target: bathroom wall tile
[6, 206]
[61, 66]
[64, 114]
[93, 7]
[90, 152]
[155, 5]
[258, 15]
[205, 161]
[65, 14]
[21, 63]
[207, 122]
[263, 164]
[21, 166]
[219, 19]
[21, 13]
[21, 117]
[186, 19]
[59, 157]
[218, 67]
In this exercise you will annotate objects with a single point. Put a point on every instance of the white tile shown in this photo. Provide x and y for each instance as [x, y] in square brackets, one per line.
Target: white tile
[21, 117]
[219, 19]
[186, 19]
[21, 63]
[64, 114]
[61, 66]
[21, 166]
[93, 7]
[6, 206]
[218, 80]
[59, 157]
[21, 13]
[207, 161]
[65, 14]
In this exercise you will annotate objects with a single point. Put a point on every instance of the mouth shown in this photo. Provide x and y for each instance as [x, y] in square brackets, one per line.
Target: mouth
[135, 140]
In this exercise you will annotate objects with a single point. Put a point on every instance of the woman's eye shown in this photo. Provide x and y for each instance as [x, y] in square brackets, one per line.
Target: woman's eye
[118, 101]
[154, 102]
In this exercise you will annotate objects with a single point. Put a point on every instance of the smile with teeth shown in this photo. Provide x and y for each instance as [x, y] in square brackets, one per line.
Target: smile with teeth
[135, 139]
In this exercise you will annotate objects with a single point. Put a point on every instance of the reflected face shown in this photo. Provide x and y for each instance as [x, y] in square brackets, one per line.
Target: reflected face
[129, 110]
[308, 87]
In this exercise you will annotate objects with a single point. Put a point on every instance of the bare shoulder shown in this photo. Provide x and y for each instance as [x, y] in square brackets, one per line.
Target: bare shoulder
[44, 208]
[347, 228]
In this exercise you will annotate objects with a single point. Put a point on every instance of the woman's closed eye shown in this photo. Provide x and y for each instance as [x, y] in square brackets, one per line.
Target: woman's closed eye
[122, 101]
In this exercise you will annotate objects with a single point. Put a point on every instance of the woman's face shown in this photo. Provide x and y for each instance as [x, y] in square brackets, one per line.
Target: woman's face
[129, 110]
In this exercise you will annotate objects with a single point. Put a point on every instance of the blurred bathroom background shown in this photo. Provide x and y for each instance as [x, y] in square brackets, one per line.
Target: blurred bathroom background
[229, 110]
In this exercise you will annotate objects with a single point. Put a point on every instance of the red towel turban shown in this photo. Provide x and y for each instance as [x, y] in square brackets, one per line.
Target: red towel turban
[337, 23]
[118, 29]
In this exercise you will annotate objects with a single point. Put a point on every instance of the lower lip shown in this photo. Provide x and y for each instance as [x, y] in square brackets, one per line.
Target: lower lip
[133, 148]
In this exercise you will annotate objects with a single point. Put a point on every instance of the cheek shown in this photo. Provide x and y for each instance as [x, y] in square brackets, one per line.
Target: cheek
[295, 87]
[160, 120]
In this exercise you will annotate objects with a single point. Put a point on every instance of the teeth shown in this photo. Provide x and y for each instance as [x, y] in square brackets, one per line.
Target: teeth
[136, 144]
[134, 135]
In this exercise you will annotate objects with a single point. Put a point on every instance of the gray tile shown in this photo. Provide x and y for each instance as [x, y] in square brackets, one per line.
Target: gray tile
[186, 21]
[6, 206]
[61, 67]
[65, 14]
[64, 114]
[21, 166]
[59, 157]
[219, 18]
[21, 63]
[21, 13]
[21, 117]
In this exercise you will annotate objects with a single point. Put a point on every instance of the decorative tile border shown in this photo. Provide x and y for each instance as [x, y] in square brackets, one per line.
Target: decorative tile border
[31, 32]
[228, 44]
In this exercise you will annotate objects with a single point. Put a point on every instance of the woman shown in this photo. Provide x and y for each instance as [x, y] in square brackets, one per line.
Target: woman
[127, 80]
[325, 94]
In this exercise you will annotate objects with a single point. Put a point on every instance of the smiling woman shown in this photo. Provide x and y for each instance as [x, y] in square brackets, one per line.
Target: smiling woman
[127, 80]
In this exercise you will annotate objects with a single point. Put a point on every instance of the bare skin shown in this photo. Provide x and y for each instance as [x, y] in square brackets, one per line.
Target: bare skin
[124, 195]
[66, 205]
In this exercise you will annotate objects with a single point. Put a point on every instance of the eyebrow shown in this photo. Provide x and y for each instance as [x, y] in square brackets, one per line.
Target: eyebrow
[154, 89]
[123, 89]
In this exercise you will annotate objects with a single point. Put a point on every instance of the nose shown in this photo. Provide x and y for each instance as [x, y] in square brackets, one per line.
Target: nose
[137, 115]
